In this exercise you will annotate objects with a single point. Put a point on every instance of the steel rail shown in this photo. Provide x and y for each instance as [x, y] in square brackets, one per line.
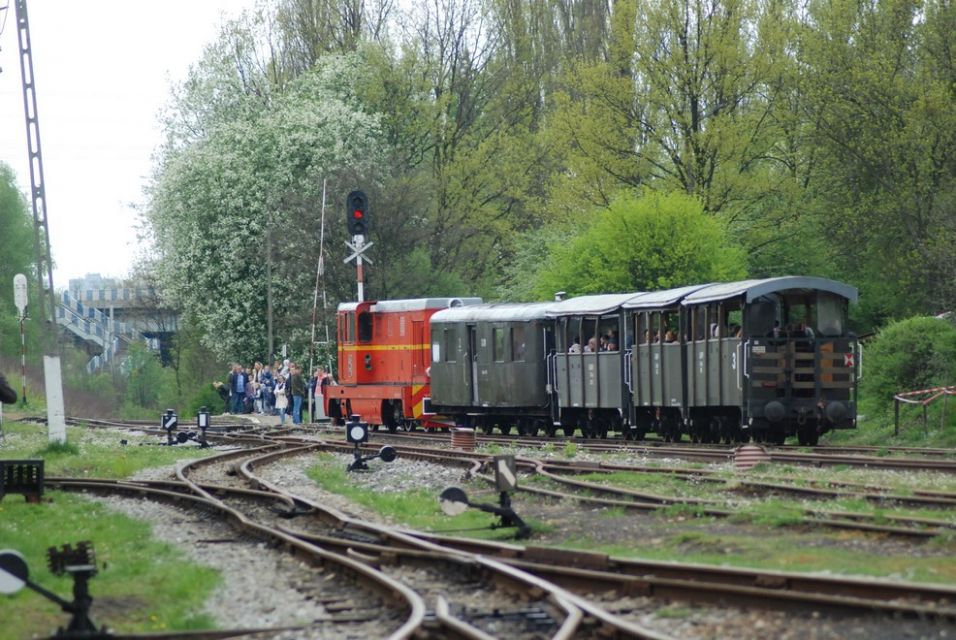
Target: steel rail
[587, 573]
[873, 493]
[611, 625]
[819, 456]
[391, 590]
[650, 502]
[915, 599]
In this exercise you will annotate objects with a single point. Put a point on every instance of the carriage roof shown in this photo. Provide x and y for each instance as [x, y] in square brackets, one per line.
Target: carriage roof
[493, 312]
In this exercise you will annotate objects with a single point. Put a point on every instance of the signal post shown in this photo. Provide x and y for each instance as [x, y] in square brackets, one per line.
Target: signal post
[357, 216]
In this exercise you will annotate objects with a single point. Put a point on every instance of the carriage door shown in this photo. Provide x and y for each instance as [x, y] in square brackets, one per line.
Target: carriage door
[473, 359]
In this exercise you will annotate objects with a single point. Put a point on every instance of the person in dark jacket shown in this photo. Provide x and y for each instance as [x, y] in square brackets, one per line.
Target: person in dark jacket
[237, 387]
[7, 394]
[298, 388]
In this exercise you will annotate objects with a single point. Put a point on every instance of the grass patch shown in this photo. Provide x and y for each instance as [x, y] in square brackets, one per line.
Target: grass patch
[58, 449]
[770, 513]
[784, 552]
[142, 586]
[416, 509]
[93, 453]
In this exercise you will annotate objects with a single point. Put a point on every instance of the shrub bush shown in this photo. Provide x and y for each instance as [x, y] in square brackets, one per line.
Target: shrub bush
[916, 353]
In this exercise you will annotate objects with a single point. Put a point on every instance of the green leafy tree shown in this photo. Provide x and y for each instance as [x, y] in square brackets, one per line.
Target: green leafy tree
[654, 241]
[880, 83]
[146, 381]
[16, 249]
[907, 355]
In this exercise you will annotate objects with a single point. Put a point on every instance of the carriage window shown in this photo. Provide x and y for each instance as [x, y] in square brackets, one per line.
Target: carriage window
[640, 327]
[831, 316]
[518, 342]
[449, 345]
[760, 316]
[365, 327]
[499, 344]
[669, 327]
[589, 334]
[734, 320]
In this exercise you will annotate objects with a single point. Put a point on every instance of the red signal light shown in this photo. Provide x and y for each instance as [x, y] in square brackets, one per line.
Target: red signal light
[357, 214]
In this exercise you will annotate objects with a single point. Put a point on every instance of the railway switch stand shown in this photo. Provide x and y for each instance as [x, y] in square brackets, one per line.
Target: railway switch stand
[356, 432]
[454, 501]
[202, 422]
[169, 422]
[78, 562]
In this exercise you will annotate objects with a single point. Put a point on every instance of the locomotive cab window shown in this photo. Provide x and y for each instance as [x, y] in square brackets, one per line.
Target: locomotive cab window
[348, 331]
[365, 327]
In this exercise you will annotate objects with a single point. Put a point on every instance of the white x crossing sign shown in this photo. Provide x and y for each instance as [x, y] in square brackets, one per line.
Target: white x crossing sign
[358, 250]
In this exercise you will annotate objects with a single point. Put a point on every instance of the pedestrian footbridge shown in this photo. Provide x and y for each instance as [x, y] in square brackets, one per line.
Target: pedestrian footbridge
[106, 321]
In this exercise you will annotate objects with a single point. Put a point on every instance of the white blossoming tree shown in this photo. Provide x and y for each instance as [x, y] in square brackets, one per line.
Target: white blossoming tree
[236, 200]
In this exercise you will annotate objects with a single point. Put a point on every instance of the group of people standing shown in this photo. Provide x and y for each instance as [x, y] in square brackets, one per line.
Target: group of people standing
[279, 390]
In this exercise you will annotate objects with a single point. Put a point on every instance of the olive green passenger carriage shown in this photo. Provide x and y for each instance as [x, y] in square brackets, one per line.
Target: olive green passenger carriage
[762, 359]
[588, 381]
[758, 358]
[488, 367]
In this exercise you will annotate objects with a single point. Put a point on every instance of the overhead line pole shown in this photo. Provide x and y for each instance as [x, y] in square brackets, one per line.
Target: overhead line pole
[319, 272]
[56, 424]
[41, 235]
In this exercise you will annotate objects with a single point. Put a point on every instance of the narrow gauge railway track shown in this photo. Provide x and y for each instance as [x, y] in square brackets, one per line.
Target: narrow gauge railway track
[718, 583]
[359, 601]
[602, 579]
[757, 483]
[594, 573]
[150, 426]
[470, 597]
[616, 442]
[707, 453]
[854, 455]
[905, 526]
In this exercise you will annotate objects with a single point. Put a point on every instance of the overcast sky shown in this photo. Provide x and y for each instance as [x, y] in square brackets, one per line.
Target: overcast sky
[102, 72]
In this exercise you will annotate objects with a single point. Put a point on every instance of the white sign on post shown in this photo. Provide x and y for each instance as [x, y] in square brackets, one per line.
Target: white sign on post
[20, 293]
[53, 379]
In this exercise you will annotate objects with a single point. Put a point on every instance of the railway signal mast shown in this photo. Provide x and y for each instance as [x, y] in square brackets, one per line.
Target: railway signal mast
[357, 215]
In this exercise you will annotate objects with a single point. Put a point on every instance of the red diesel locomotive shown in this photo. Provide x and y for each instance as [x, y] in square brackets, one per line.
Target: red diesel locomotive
[384, 355]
